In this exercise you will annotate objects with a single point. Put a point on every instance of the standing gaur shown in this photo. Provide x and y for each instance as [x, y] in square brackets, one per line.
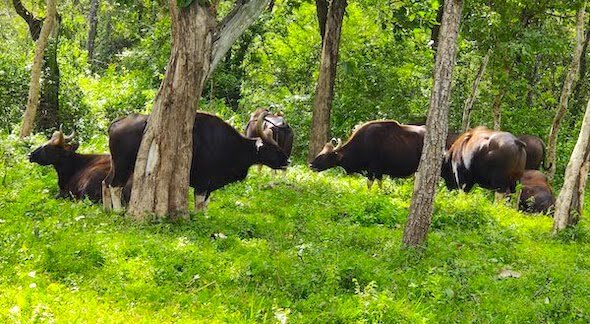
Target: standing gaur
[221, 155]
[375, 149]
[535, 152]
[495, 160]
[275, 127]
[79, 175]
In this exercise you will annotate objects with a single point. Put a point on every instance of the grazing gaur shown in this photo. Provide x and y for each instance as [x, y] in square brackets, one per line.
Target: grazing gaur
[221, 155]
[536, 195]
[375, 149]
[276, 127]
[495, 160]
[535, 152]
[79, 175]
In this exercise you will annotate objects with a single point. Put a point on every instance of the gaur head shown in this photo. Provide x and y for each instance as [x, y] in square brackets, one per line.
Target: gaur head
[54, 150]
[268, 152]
[328, 157]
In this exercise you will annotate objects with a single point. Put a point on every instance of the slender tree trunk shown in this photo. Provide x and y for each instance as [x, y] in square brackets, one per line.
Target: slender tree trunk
[92, 23]
[34, 86]
[566, 213]
[580, 188]
[468, 107]
[436, 128]
[161, 177]
[324, 94]
[48, 112]
[497, 108]
[566, 91]
[533, 80]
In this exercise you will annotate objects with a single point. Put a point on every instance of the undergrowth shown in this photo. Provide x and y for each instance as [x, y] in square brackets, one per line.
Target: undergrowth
[304, 246]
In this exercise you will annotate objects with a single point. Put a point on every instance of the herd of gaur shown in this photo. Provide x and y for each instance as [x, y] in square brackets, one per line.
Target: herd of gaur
[494, 160]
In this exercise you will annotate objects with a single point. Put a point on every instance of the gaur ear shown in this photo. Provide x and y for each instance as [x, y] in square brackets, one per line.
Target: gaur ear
[72, 147]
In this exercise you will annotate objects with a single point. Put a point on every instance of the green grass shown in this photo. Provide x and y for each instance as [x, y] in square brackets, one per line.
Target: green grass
[311, 247]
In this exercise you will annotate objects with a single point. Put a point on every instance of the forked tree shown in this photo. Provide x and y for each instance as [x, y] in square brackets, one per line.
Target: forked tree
[324, 94]
[427, 177]
[569, 203]
[161, 177]
[566, 90]
[43, 92]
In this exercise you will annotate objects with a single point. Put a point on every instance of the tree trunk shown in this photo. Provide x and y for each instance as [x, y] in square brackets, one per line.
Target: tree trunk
[497, 108]
[566, 91]
[580, 188]
[533, 80]
[34, 86]
[436, 128]
[324, 94]
[161, 177]
[566, 214]
[322, 14]
[48, 112]
[468, 107]
[92, 23]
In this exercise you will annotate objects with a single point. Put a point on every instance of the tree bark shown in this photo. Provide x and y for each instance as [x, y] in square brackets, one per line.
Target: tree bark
[324, 94]
[497, 108]
[566, 214]
[161, 177]
[421, 206]
[34, 86]
[92, 23]
[233, 26]
[468, 107]
[434, 33]
[533, 80]
[566, 91]
[322, 14]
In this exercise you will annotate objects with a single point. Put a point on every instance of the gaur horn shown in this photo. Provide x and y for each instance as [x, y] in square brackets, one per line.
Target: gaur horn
[266, 136]
[70, 137]
[338, 143]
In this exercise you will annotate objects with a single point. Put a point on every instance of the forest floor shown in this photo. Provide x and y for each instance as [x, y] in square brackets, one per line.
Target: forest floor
[301, 247]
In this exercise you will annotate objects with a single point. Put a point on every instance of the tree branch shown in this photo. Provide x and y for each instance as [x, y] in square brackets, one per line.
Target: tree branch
[233, 26]
[33, 22]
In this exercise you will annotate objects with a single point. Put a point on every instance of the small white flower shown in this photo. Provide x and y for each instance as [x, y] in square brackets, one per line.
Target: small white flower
[33, 285]
[32, 274]
[15, 309]
[80, 217]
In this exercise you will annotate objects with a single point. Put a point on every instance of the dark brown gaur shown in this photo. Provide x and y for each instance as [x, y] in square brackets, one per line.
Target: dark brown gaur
[263, 123]
[536, 195]
[375, 149]
[79, 175]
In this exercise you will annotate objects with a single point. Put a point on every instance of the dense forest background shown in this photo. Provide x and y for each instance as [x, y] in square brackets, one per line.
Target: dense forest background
[384, 68]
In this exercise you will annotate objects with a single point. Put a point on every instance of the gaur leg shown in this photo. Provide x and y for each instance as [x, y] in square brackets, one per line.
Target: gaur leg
[116, 193]
[107, 203]
[201, 200]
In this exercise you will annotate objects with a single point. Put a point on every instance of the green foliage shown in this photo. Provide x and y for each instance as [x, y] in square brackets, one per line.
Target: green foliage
[306, 246]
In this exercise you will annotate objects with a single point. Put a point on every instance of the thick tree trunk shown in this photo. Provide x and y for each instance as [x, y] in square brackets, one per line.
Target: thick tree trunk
[497, 108]
[92, 23]
[322, 103]
[566, 213]
[468, 107]
[436, 128]
[566, 91]
[34, 86]
[161, 178]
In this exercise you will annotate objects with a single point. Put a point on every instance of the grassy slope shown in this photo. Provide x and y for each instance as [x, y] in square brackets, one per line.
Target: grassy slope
[316, 247]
